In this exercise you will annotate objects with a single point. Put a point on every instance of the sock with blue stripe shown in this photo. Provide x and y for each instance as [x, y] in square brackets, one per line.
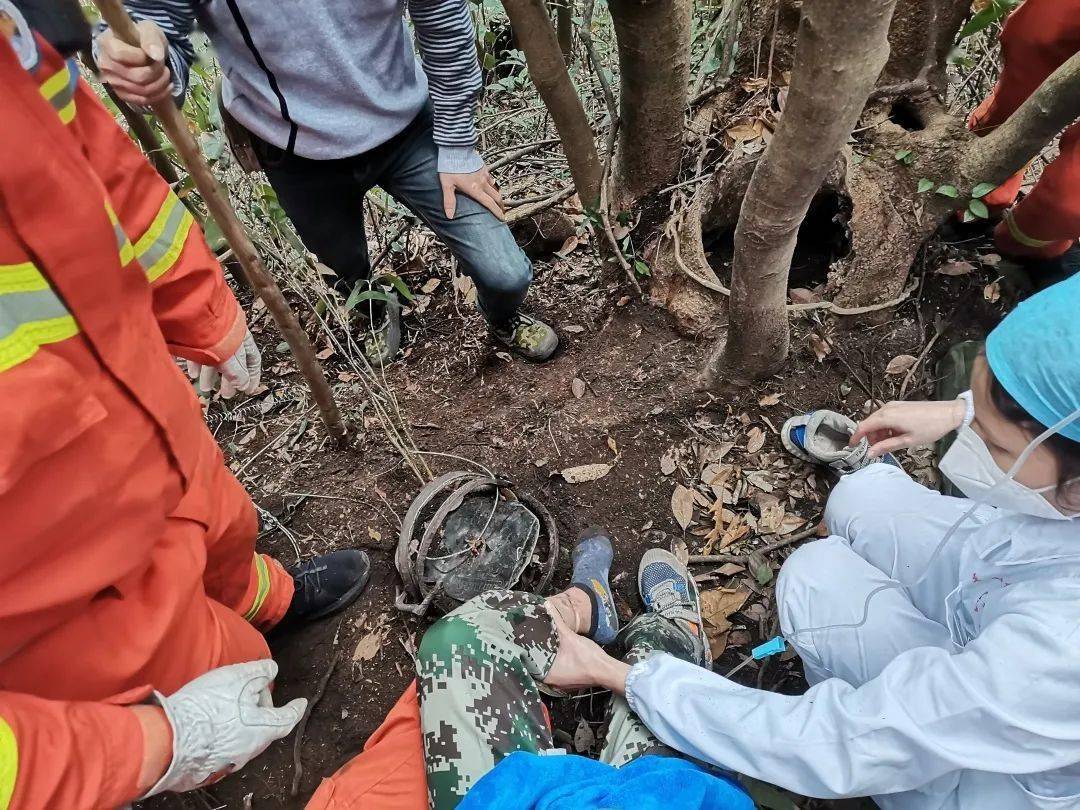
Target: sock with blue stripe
[592, 561]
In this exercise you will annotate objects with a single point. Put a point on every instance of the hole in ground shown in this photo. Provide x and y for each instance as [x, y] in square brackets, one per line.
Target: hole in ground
[824, 237]
[905, 114]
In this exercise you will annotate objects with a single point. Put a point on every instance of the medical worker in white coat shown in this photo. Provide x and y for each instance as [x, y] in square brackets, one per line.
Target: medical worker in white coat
[949, 677]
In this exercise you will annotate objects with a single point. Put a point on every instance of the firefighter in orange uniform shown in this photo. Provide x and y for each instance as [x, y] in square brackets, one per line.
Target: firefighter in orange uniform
[131, 598]
[1043, 227]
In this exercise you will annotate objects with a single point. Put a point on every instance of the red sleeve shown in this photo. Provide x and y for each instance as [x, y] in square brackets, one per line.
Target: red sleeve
[198, 313]
[67, 754]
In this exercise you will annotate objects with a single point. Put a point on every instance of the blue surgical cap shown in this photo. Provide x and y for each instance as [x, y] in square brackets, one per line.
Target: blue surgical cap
[1035, 355]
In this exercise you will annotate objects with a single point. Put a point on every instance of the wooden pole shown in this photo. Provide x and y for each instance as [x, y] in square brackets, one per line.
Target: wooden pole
[217, 201]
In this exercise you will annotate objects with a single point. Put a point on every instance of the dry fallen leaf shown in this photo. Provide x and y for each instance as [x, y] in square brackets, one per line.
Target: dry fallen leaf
[992, 292]
[568, 246]
[682, 505]
[730, 569]
[955, 268]
[431, 285]
[585, 472]
[790, 523]
[667, 462]
[612, 445]
[755, 440]
[584, 737]
[801, 295]
[772, 513]
[577, 386]
[819, 345]
[716, 606]
[900, 364]
[769, 400]
[370, 644]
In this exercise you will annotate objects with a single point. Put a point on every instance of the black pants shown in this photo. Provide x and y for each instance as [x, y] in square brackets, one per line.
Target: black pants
[325, 201]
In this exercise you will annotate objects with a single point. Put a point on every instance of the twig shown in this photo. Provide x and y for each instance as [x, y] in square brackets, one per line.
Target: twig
[524, 211]
[708, 559]
[590, 49]
[298, 742]
[918, 362]
[510, 157]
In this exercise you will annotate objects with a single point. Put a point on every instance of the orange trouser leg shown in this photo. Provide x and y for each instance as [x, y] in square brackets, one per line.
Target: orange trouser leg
[1037, 38]
[389, 773]
[254, 585]
[1046, 223]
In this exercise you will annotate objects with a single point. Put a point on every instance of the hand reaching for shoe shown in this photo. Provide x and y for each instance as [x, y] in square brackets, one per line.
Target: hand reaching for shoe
[899, 425]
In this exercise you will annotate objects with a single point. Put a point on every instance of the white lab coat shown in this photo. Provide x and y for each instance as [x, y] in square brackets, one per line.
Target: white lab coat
[962, 692]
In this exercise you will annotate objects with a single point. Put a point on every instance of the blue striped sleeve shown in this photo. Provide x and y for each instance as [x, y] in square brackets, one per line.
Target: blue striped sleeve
[447, 42]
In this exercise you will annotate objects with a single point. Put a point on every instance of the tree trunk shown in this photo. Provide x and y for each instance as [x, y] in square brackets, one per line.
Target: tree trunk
[920, 38]
[838, 58]
[654, 62]
[537, 38]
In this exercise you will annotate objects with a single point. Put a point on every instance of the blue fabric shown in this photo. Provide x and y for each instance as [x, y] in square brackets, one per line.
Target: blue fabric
[1035, 354]
[525, 781]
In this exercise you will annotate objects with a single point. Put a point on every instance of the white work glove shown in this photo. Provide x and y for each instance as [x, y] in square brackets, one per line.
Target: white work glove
[221, 721]
[241, 372]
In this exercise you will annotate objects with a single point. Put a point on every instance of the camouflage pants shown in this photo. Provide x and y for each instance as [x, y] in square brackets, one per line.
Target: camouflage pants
[479, 669]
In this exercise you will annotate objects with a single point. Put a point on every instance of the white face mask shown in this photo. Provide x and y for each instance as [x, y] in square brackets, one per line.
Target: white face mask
[970, 465]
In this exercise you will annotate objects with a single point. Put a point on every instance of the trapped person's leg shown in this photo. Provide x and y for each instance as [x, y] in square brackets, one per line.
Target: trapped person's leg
[896, 524]
[478, 669]
[826, 583]
[482, 243]
[325, 201]
[627, 738]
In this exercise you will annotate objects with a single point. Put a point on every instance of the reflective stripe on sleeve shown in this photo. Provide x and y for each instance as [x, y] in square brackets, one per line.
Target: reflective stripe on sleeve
[263, 591]
[123, 244]
[1020, 236]
[158, 249]
[9, 764]
[31, 315]
[59, 91]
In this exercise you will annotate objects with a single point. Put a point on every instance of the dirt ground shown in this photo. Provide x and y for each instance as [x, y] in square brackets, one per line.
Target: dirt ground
[637, 405]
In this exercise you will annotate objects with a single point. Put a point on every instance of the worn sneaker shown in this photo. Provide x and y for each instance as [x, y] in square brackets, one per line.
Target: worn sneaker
[668, 590]
[328, 583]
[526, 336]
[822, 437]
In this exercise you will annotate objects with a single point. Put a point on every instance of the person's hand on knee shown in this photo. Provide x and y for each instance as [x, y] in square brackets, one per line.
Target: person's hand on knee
[479, 185]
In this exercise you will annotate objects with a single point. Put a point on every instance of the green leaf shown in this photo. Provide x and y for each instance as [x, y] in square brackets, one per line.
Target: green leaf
[967, 216]
[641, 268]
[948, 191]
[359, 296]
[399, 285]
[489, 61]
[925, 184]
[905, 156]
[979, 209]
[982, 189]
[997, 10]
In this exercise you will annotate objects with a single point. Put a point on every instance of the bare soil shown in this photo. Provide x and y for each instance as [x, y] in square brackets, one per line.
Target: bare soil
[462, 397]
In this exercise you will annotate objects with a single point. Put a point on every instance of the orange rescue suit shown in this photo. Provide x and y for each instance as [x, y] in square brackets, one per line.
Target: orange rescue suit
[129, 559]
[1037, 39]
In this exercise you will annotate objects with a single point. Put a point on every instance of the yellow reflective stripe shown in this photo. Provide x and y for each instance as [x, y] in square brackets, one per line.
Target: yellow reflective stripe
[264, 588]
[67, 112]
[59, 90]
[158, 249]
[1020, 236]
[24, 277]
[24, 340]
[56, 83]
[123, 244]
[9, 764]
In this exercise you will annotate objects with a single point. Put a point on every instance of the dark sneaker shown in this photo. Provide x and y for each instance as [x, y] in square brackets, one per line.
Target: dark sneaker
[328, 583]
[526, 336]
[382, 335]
[668, 590]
